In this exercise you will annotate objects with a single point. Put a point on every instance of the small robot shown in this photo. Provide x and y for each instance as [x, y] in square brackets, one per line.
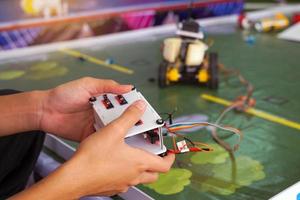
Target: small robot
[47, 8]
[186, 60]
[147, 133]
[276, 23]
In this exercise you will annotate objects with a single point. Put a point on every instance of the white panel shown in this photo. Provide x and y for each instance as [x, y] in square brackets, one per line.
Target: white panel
[292, 33]
[134, 137]
[292, 192]
[138, 141]
[195, 54]
[171, 49]
[108, 115]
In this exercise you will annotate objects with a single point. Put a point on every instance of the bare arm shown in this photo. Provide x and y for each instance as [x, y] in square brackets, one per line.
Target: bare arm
[56, 110]
[20, 112]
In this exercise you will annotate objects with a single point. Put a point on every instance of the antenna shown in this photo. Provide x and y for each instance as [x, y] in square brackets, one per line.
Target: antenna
[190, 9]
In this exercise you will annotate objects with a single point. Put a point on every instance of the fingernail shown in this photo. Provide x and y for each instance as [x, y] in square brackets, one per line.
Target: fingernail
[140, 104]
[128, 86]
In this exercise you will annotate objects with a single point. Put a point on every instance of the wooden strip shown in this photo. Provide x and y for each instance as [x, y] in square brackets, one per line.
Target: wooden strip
[97, 61]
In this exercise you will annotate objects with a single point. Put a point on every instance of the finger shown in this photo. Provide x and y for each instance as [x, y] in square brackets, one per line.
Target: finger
[148, 177]
[159, 164]
[99, 86]
[109, 86]
[129, 118]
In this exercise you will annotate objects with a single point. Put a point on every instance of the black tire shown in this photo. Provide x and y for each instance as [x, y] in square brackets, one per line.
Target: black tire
[162, 74]
[213, 82]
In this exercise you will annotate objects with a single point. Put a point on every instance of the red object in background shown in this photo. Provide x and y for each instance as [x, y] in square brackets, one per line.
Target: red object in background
[241, 17]
[296, 18]
[243, 21]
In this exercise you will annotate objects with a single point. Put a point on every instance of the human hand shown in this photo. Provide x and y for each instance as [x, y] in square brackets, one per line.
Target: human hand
[65, 110]
[105, 165]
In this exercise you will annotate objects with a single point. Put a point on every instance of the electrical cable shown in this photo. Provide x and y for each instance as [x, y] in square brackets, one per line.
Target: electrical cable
[174, 128]
[241, 103]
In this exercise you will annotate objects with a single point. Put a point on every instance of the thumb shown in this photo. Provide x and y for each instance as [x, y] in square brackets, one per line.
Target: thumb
[129, 118]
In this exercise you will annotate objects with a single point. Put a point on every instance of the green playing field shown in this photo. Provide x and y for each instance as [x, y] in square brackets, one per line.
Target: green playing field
[268, 159]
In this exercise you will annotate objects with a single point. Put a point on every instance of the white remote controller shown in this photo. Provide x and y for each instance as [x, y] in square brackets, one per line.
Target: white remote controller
[147, 132]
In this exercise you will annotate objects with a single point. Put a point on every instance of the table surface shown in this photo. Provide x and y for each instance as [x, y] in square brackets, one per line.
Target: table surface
[268, 159]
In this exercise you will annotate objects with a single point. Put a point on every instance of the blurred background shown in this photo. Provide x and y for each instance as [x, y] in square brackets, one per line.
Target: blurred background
[32, 22]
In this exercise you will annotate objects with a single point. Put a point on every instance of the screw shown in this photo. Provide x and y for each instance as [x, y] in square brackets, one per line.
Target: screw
[160, 121]
[92, 99]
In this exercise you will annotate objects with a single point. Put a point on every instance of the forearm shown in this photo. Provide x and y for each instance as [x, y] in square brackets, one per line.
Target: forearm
[20, 112]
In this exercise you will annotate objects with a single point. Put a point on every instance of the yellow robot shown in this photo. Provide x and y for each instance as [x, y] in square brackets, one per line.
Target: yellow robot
[278, 22]
[186, 60]
[44, 7]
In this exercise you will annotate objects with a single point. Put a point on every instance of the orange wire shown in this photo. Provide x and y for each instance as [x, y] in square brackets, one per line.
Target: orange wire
[178, 151]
